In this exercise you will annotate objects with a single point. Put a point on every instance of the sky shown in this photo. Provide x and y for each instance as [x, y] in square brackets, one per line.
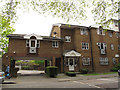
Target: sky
[32, 22]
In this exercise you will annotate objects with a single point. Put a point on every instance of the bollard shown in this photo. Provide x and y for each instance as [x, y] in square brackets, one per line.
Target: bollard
[119, 72]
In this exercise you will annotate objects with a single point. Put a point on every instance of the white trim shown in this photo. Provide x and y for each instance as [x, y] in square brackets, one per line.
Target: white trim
[56, 44]
[85, 45]
[30, 35]
[67, 38]
[72, 53]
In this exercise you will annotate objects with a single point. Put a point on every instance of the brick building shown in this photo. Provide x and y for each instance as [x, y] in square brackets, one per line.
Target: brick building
[69, 47]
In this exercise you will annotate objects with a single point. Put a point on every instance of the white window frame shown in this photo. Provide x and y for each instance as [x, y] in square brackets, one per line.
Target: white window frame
[85, 61]
[30, 43]
[100, 32]
[67, 38]
[85, 46]
[104, 61]
[56, 44]
[38, 44]
[112, 46]
[83, 31]
[27, 43]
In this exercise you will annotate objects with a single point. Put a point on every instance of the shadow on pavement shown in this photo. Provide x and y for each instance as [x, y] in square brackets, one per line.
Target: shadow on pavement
[41, 74]
[8, 83]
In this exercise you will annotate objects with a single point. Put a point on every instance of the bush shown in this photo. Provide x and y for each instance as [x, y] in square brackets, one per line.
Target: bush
[84, 71]
[51, 71]
[72, 74]
[116, 68]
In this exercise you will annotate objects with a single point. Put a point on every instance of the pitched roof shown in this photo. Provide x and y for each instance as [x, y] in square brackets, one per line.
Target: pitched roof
[21, 36]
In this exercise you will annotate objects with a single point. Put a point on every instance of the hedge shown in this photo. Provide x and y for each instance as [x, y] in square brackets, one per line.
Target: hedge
[51, 71]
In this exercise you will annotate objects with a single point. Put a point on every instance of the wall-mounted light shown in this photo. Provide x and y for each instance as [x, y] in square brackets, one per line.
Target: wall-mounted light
[14, 52]
[6, 56]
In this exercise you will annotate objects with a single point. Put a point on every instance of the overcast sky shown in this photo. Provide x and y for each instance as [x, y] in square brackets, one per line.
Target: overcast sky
[31, 22]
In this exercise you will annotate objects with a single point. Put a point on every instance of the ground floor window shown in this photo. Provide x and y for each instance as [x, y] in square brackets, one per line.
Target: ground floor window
[103, 60]
[85, 61]
[114, 60]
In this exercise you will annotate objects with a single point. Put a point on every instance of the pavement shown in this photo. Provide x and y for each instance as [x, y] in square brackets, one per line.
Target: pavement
[37, 79]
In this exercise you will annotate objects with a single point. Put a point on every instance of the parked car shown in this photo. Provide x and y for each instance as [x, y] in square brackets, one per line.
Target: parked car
[2, 76]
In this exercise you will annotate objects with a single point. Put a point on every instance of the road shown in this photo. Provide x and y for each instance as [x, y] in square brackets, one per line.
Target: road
[62, 81]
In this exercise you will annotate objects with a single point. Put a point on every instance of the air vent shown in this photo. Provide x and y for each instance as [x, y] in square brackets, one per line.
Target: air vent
[32, 50]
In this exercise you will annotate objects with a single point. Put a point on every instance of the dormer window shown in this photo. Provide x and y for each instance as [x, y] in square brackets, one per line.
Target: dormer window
[117, 34]
[100, 31]
[83, 31]
[33, 44]
[116, 24]
[110, 33]
[67, 38]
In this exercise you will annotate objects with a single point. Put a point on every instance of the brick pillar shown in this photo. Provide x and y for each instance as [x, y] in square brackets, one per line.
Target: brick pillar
[53, 61]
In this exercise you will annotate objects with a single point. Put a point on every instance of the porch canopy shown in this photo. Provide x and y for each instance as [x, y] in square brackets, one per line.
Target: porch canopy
[71, 54]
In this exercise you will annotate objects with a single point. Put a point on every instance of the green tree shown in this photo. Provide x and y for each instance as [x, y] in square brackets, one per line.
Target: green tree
[5, 29]
[69, 10]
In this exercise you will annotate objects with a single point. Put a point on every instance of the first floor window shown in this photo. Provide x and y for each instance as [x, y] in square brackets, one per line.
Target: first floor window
[103, 60]
[85, 46]
[86, 61]
[67, 39]
[27, 43]
[38, 44]
[114, 60]
[55, 44]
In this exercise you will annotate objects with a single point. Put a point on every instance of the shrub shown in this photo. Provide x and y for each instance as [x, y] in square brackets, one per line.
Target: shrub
[51, 71]
[116, 68]
[72, 74]
[84, 71]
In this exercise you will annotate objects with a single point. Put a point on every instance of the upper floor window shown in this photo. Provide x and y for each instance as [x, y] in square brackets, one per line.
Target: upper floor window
[117, 34]
[103, 60]
[33, 43]
[55, 44]
[85, 61]
[67, 38]
[85, 46]
[112, 46]
[27, 43]
[100, 31]
[84, 31]
[116, 24]
[110, 33]
[102, 47]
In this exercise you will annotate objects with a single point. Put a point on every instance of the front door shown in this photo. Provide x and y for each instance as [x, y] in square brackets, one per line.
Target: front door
[71, 64]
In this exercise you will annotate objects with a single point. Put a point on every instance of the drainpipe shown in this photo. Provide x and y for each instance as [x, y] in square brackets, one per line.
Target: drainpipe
[91, 48]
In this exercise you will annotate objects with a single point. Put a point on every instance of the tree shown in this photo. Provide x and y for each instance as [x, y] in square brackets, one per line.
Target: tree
[5, 29]
[69, 10]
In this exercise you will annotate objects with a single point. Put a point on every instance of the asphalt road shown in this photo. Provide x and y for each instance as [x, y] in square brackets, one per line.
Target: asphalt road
[42, 81]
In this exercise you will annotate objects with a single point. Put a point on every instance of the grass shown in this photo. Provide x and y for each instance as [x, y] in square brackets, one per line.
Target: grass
[100, 73]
